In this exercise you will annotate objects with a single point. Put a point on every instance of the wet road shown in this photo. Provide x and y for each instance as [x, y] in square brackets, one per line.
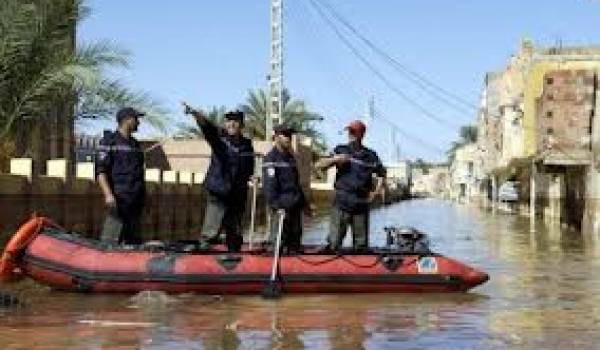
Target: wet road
[544, 292]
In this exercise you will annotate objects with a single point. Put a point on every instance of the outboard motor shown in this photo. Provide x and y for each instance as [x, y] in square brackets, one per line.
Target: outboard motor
[407, 240]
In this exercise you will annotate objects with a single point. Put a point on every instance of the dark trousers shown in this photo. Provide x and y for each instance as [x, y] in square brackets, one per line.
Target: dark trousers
[291, 237]
[358, 223]
[224, 216]
[122, 223]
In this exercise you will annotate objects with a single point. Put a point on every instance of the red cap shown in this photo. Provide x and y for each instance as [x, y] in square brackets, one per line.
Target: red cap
[357, 127]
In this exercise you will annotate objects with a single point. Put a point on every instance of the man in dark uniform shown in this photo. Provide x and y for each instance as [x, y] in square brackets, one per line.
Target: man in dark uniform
[226, 182]
[281, 185]
[354, 188]
[120, 173]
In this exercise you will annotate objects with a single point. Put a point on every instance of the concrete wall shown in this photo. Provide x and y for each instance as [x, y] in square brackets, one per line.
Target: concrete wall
[174, 206]
[464, 173]
[535, 86]
[399, 172]
[194, 156]
[565, 111]
[545, 101]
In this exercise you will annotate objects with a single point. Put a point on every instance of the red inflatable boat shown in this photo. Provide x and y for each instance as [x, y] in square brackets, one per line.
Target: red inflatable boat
[66, 261]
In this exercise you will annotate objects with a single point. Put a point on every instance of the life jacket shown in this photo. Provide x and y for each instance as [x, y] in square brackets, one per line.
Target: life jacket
[230, 171]
[281, 182]
[122, 160]
[354, 180]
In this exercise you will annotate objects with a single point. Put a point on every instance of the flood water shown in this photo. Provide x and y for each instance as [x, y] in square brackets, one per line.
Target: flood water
[544, 293]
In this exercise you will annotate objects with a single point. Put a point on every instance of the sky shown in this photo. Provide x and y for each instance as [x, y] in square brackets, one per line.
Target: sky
[211, 53]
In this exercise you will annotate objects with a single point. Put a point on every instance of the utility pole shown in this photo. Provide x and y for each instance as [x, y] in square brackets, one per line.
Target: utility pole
[275, 99]
[275, 78]
[532, 195]
[393, 159]
[394, 147]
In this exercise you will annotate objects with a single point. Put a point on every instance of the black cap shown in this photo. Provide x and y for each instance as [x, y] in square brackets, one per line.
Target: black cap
[284, 129]
[235, 115]
[127, 112]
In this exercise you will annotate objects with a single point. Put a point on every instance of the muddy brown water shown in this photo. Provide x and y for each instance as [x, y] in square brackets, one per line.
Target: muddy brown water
[544, 293]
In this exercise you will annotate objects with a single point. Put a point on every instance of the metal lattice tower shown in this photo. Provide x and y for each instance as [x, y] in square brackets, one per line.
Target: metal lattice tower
[369, 117]
[275, 99]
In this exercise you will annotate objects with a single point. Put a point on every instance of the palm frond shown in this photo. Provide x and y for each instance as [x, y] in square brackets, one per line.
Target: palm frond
[40, 67]
[294, 113]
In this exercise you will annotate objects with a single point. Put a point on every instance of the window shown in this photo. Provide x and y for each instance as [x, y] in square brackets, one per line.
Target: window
[550, 97]
[548, 114]
[549, 131]
[549, 81]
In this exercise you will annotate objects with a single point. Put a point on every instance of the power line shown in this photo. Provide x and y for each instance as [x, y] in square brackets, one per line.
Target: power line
[442, 94]
[343, 83]
[375, 71]
[346, 83]
[407, 135]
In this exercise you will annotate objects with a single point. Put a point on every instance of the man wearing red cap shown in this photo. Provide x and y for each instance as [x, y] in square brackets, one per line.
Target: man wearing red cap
[354, 187]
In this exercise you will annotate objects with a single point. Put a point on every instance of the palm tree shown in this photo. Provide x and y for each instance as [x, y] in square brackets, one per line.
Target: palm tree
[467, 134]
[41, 69]
[294, 113]
[423, 165]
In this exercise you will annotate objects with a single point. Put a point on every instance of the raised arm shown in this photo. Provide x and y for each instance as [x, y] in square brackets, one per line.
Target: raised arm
[209, 130]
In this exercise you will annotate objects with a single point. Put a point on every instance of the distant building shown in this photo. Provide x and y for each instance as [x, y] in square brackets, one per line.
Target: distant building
[399, 173]
[535, 117]
[86, 147]
[463, 175]
[432, 183]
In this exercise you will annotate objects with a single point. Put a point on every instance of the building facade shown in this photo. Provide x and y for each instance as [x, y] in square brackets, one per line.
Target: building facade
[464, 175]
[535, 127]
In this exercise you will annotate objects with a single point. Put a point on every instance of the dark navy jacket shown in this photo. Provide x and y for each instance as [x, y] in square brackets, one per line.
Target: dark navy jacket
[231, 163]
[354, 179]
[122, 160]
[281, 183]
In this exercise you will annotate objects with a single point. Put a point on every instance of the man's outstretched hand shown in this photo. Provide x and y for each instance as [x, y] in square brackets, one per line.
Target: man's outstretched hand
[189, 110]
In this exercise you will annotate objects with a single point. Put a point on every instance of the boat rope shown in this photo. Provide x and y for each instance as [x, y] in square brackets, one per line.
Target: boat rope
[377, 260]
[316, 263]
[350, 261]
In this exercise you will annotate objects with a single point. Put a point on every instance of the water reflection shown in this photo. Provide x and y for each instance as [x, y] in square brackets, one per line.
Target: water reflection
[336, 322]
[543, 293]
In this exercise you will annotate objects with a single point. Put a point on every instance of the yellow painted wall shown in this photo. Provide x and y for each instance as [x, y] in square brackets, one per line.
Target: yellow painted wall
[534, 83]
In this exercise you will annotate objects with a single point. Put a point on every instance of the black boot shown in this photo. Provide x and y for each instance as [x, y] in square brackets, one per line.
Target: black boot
[234, 242]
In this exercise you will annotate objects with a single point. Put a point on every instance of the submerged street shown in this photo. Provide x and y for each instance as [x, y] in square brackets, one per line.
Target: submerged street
[156, 151]
[542, 293]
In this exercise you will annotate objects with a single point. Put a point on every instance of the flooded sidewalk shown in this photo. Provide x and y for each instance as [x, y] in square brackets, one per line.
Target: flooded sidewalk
[543, 293]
